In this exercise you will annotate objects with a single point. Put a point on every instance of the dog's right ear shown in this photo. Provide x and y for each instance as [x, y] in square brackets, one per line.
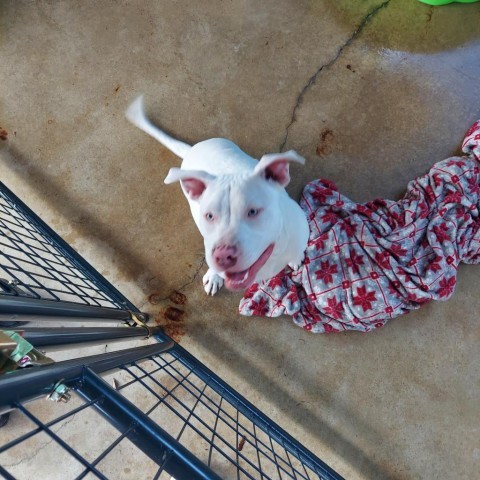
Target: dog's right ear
[194, 182]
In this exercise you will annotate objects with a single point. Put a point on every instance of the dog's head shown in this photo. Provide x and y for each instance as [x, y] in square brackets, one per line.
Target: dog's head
[241, 217]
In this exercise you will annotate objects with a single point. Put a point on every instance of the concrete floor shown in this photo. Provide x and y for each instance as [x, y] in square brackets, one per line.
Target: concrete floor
[370, 93]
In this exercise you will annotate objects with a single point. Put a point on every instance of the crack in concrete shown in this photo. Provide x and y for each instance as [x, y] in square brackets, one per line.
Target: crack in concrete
[185, 285]
[41, 447]
[430, 15]
[325, 66]
[195, 275]
[189, 282]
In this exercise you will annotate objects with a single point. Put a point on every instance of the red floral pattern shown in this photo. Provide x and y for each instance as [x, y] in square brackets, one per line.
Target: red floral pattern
[364, 298]
[365, 264]
[334, 308]
[326, 272]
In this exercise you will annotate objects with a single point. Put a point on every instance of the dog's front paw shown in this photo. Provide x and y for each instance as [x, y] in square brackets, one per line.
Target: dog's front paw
[212, 282]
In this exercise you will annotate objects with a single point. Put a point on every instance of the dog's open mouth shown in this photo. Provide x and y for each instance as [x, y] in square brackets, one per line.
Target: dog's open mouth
[242, 280]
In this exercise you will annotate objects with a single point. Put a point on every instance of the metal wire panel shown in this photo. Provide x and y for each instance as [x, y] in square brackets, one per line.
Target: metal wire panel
[216, 424]
[167, 413]
[39, 264]
[171, 390]
[42, 441]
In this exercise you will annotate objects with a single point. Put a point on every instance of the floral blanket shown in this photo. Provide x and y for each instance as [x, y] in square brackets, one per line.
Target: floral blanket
[368, 263]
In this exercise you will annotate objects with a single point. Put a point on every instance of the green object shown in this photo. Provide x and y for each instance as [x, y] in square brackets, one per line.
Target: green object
[445, 2]
[23, 355]
[22, 349]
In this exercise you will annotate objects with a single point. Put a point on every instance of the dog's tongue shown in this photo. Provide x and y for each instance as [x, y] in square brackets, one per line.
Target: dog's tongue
[242, 280]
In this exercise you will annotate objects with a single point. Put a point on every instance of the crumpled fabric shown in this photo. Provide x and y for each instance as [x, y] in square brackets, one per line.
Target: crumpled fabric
[368, 263]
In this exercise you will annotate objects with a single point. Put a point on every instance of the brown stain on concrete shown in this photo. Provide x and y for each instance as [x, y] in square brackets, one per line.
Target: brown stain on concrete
[324, 147]
[175, 332]
[174, 314]
[178, 298]
[172, 318]
[154, 299]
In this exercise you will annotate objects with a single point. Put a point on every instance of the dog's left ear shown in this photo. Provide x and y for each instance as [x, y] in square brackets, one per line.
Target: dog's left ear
[276, 166]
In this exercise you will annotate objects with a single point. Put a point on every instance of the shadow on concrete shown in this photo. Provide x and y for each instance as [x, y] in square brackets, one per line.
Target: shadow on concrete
[130, 265]
[300, 412]
[242, 366]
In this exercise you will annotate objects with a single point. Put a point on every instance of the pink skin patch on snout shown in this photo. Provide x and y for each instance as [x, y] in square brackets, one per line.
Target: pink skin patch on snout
[237, 281]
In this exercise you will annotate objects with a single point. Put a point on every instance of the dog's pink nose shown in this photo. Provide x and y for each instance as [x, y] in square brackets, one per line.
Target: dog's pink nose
[224, 256]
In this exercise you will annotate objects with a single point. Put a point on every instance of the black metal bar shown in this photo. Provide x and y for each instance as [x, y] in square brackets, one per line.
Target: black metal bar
[5, 474]
[59, 441]
[25, 384]
[68, 336]
[68, 252]
[252, 413]
[10, 304]
[161, 447]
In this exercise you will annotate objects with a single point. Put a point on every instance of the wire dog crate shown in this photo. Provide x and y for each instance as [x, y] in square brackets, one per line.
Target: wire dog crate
[153, 411]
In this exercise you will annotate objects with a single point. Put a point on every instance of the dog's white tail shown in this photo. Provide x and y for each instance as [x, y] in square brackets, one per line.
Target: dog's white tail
[136, 114]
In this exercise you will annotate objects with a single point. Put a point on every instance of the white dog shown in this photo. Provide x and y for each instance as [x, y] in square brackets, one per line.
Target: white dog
[251, 228]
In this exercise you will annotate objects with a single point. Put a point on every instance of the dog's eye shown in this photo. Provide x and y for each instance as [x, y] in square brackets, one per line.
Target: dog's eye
[253, 212]
[209, 217]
